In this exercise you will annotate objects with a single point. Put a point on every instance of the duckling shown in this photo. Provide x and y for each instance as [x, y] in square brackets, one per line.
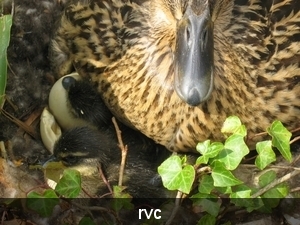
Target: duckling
[175, 70]
[89, 140]
[84, 149]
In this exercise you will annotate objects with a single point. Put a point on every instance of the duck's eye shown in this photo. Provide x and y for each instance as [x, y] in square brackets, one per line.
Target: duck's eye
[70, 160]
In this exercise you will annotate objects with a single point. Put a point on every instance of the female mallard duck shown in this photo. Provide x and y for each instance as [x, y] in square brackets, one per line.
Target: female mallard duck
[175, 70]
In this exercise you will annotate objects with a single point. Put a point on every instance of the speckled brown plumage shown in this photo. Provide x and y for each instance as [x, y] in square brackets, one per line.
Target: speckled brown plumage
[126, 48]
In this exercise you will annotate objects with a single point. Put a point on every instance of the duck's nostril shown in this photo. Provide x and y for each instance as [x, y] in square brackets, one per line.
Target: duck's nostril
[204, 40]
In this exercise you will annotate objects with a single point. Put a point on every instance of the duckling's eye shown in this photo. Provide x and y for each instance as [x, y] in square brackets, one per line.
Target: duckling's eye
[70, 160]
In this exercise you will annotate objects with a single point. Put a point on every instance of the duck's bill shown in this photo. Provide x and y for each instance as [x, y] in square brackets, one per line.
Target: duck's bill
[194, 57]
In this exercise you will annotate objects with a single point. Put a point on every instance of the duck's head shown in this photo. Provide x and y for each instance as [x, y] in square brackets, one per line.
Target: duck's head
[194, 50]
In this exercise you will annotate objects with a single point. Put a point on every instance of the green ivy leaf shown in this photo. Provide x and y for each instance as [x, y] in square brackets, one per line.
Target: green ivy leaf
[224, 190]
[119, 192]
[272, 197]
[241, 191]
[234, 151]
[281, 139]
[69, 185]
[241, 196]
[202, 160]
[206, 184]
[175, 176]
[202, 147]
[266, 154]
[233, 125]
[280, 191]
[122, 200]
[249, 203]
[207, 220]
[222, 177]
[209, 203]
[86, 221]
[44, 203]
[266, 178]
[207, 151]
[212, 206]
[183, 160]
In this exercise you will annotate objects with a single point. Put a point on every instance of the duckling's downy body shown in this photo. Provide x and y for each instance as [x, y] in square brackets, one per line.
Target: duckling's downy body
[139, 52]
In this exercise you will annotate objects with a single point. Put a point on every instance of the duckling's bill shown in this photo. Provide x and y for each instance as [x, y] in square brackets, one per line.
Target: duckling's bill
[52, 163]
[194, 56]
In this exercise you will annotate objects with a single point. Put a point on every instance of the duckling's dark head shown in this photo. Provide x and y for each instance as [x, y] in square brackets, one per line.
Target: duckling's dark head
[82, 146]
[74, 102]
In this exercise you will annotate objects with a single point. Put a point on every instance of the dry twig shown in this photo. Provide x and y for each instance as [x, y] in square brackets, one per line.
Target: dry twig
[275, 183]
[124, 150]
[176, 208]
[21, 124]
[105, 181]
